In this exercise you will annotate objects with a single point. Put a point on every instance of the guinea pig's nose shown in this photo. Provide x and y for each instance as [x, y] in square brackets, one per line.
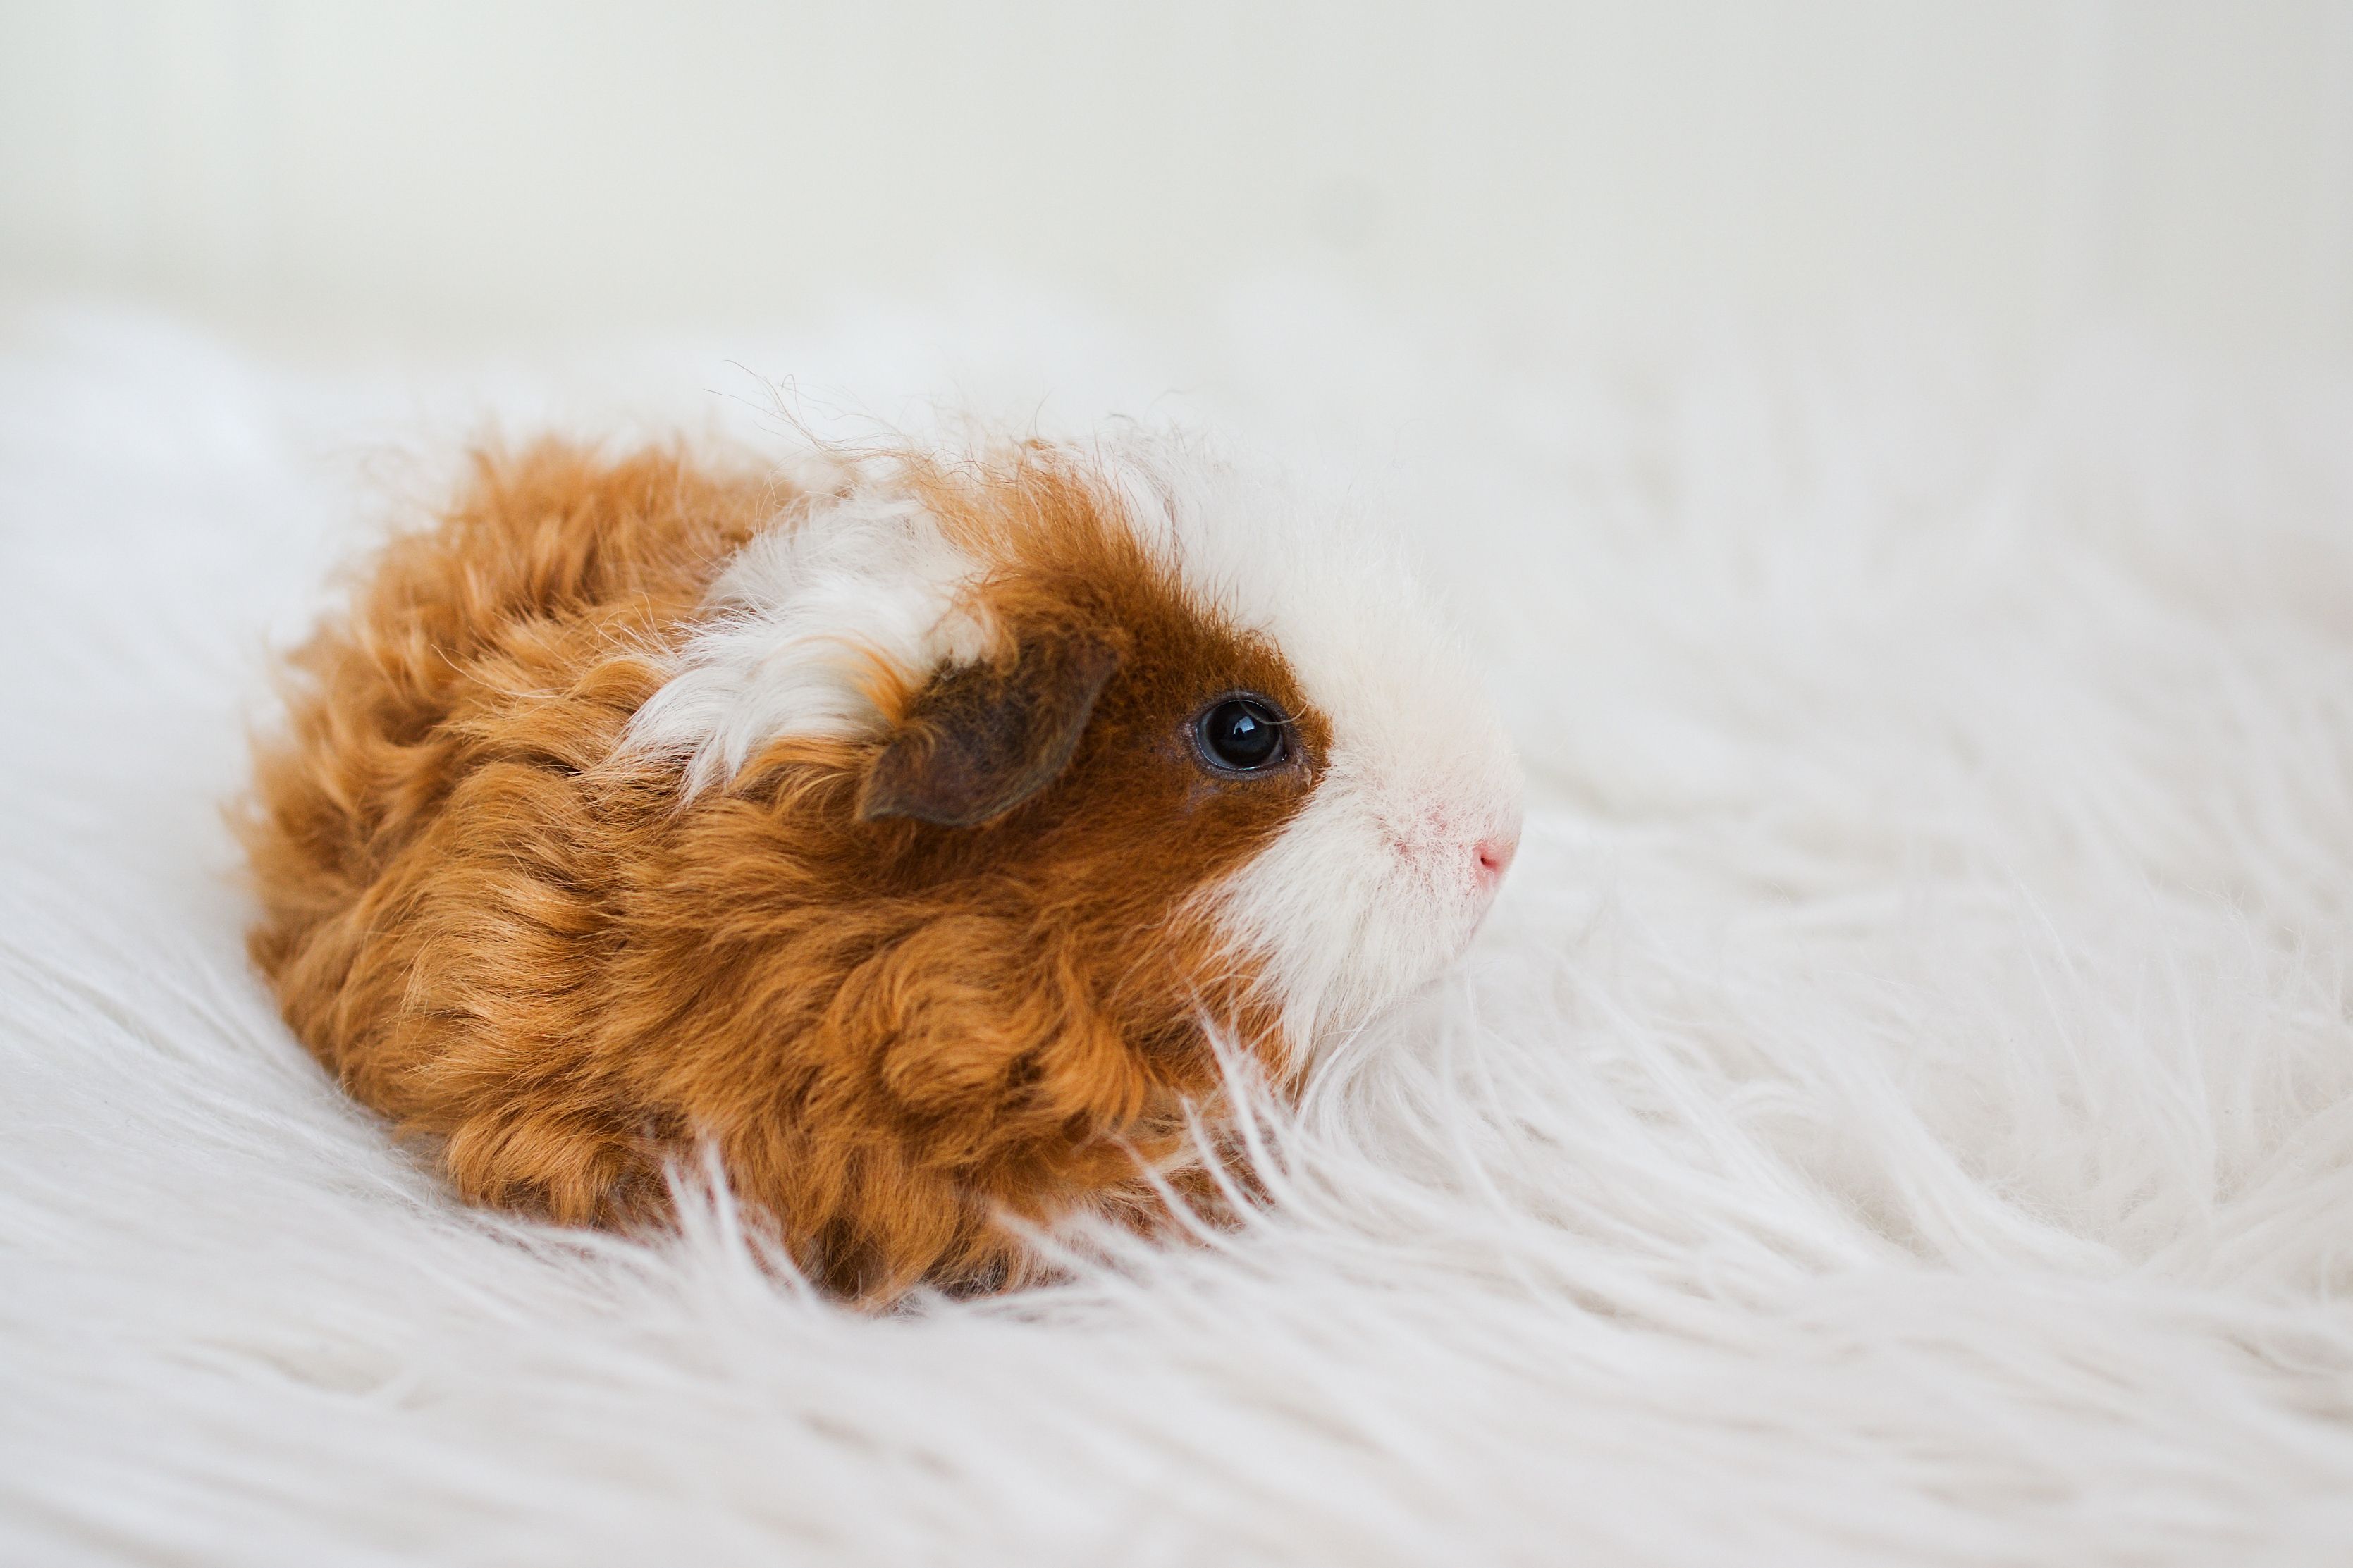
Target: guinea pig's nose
[1496, 852]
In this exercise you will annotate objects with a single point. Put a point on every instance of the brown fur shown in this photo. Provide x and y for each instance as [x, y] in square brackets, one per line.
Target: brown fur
[509, 939]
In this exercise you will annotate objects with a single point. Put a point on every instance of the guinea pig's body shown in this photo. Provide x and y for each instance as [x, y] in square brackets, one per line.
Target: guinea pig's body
[903, 839]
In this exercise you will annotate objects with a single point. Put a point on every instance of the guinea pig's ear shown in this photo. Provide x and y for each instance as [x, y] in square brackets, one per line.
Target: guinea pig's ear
[979, 740]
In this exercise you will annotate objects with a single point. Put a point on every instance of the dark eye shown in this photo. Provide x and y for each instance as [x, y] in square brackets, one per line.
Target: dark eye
[1243, 734]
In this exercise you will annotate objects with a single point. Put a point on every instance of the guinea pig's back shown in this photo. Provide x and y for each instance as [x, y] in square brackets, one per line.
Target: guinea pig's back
[514, 637]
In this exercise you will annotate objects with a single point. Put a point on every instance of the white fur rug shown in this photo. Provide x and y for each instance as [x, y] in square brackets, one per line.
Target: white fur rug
[1903, 1110]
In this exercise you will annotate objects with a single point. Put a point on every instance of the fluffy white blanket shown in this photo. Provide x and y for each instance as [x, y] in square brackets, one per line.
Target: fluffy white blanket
[1903, 1110]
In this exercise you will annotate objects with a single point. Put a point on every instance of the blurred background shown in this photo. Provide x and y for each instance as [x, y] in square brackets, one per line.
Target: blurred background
[496, 171]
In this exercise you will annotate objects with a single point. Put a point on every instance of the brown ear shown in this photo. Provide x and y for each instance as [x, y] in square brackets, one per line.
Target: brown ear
[979, 740]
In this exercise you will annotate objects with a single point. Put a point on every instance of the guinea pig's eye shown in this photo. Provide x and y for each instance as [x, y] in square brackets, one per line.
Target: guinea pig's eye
[1244, 733]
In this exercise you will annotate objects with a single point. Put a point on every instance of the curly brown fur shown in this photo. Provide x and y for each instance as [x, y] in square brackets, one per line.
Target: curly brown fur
[511, 934]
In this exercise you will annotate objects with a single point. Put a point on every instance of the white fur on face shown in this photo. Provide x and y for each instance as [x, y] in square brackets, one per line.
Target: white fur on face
[805, 616]
[1374, 886]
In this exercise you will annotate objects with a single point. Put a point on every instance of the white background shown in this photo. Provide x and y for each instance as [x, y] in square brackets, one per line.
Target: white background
[475, 173]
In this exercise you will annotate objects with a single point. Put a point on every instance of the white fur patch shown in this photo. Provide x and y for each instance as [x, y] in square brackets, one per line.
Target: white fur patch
[838, 590]
[1373, 887]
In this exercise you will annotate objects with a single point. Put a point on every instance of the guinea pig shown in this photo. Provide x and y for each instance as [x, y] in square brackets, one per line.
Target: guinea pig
[912, 837]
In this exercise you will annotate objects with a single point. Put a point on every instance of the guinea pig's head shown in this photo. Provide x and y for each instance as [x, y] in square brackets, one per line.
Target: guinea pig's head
[1202, 736]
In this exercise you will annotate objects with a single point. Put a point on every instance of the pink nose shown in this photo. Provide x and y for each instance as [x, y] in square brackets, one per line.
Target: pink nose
[1496, 854]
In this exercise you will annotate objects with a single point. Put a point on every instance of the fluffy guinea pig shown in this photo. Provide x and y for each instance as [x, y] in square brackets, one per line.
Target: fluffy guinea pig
[904, 835]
